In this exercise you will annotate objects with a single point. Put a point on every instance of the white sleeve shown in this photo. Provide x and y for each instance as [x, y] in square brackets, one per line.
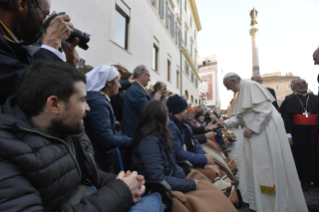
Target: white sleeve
[56, 52]
[232, 122]
[289, 135]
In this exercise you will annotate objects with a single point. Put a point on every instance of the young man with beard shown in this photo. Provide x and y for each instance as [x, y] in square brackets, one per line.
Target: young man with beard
[21, 21]
[46, 160]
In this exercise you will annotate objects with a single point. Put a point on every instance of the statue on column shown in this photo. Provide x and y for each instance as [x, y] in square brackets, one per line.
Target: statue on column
[253, 14]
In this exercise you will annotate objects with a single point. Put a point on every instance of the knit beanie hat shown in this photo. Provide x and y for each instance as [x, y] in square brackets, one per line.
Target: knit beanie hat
[176, 104]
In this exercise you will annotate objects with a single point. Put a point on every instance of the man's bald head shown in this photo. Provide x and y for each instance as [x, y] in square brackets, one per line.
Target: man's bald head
[257, 78]
[315, 56]
[231, 81]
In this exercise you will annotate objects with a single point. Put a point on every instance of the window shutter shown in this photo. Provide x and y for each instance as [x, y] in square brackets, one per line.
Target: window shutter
[153, 2]
[185, 5]
[166, 18]
[172, 25]
[186, 38]
[176, 32]
[180, 39]
[161, 8]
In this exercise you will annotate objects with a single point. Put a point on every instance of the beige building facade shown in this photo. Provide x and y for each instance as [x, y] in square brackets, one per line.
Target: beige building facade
[281, 84]
[160, 34]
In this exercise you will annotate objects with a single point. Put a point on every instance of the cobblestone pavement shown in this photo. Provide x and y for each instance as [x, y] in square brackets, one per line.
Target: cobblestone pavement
[311, 196]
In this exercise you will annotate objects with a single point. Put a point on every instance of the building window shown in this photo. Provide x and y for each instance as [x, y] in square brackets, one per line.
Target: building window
[289, 86]
[192, 77]
[277, 87]
[196, 83]
[155, 58]
[186, 68]
[191, 22]
[194, 34]
[121, 28]
[168, 70]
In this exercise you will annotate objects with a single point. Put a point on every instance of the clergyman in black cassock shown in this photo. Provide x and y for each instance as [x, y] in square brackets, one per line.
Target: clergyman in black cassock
[299, 112]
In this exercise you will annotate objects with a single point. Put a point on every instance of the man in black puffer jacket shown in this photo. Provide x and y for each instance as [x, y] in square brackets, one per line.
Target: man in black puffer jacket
[45, 168]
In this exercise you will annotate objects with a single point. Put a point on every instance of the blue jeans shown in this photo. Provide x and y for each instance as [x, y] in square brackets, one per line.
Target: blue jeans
[149, 203]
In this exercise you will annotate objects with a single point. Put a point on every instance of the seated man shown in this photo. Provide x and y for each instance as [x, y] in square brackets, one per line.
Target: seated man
[45, 164]
[102, 83]
[135, 99]
[22, 20]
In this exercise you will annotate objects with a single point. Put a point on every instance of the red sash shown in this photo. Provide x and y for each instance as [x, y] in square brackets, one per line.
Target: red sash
[302, 120]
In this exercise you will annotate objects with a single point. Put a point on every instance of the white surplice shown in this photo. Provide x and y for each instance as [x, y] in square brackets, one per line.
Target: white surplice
[266, 161]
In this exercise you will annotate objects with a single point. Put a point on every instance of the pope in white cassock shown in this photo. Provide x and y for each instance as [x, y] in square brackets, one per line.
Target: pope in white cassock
[268, 177]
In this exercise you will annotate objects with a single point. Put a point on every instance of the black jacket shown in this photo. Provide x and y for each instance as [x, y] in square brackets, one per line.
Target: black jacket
[39, 171]
[199, 133]
[152, 159]
[14, 60]
[272, 91]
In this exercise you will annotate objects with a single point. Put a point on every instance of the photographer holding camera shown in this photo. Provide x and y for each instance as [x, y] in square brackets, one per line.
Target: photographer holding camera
[20, 25]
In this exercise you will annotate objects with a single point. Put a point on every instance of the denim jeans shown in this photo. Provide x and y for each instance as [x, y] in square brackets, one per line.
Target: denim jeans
[149, 203]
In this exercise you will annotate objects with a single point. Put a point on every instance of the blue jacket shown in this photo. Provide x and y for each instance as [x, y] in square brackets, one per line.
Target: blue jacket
[151, 159]
[198, 158]
[100, 126]
[134, 101]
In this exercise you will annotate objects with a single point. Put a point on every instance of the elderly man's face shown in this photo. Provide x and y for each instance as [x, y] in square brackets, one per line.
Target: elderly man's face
[145, 77]
[301, 86]
[316, 57]
[231, 85]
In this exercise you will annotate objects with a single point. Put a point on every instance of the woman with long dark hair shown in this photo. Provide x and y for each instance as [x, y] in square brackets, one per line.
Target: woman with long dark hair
[153, 155]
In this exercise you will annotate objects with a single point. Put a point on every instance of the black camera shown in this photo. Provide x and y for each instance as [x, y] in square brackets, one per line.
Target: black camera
[83, 37]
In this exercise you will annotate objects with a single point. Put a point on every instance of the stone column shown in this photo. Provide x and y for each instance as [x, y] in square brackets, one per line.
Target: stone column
[254, 31]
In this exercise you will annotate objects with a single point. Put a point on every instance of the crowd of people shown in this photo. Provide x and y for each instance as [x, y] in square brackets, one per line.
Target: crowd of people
[71, 141]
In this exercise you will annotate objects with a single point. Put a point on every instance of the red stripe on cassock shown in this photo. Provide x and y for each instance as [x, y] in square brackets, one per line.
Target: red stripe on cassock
[303, 120]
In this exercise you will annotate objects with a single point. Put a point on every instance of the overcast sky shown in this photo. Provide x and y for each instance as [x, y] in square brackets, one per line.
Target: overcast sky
[289, 33]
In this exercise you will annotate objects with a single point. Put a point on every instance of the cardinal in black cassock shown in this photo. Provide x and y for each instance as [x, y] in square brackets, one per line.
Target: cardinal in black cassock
[299, 112]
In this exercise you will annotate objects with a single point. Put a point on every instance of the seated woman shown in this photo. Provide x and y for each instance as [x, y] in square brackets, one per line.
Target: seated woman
[153, 155]
[103, 82]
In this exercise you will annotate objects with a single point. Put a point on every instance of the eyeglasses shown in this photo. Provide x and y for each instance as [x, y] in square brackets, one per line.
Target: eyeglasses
[147, 74]
[300, 84]
[44, 13]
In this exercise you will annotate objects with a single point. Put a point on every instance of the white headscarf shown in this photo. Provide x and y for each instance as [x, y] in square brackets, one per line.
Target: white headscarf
[97, 78]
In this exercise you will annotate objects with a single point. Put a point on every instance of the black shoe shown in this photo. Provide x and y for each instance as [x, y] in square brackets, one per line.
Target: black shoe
[305, 186]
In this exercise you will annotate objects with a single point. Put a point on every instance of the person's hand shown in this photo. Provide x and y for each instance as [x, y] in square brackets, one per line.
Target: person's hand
[157, 95]
[248, 133]
[165, 93]
[213, 167]
[210, 135]
[72, 56]
[290, 141]
[210, 159]
[58, 30]
[135, 182]
[221, 122]
[209, 127]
